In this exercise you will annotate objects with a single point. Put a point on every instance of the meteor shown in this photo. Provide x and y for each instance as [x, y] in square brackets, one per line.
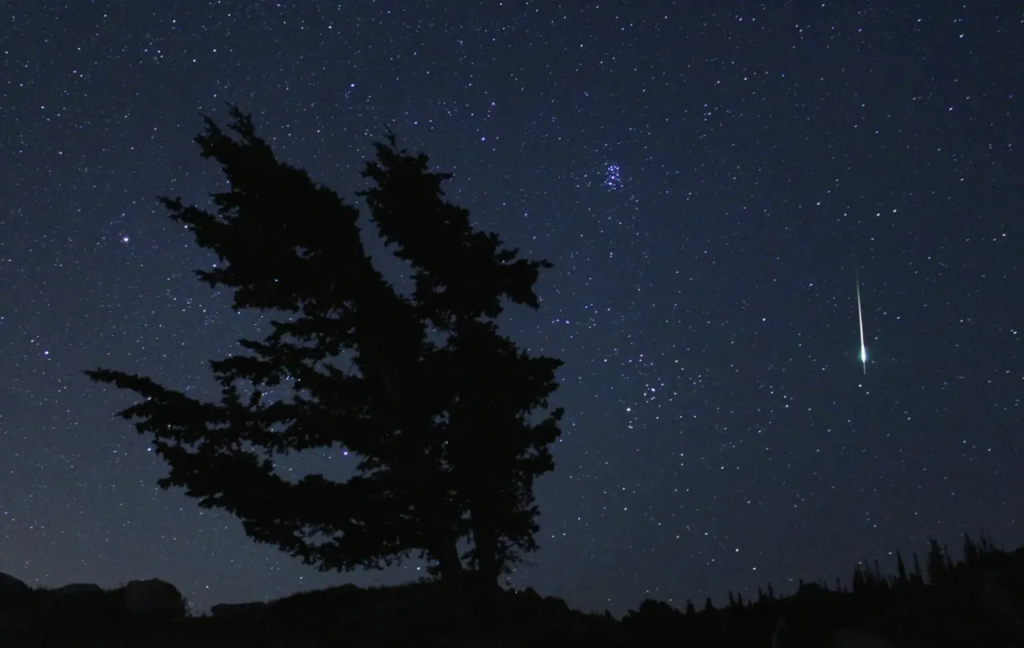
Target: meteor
[860, 320]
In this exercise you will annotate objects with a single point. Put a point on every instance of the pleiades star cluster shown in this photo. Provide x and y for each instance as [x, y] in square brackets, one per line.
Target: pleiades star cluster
[714, 182]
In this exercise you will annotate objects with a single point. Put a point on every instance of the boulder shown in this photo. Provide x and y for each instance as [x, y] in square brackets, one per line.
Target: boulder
[12, 589]
[78, 589]
[79, 603]
[236, 610]
[154, 597]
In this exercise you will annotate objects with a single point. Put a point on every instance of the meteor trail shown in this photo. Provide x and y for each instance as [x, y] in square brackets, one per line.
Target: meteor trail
[860, 320]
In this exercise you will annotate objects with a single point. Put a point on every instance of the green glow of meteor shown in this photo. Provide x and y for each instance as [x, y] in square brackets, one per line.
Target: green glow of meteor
[860, 320]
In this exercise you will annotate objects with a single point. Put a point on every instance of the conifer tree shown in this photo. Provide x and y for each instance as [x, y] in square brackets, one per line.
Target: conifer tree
[460, 278]
[917, 578]
[937, 562]
[901, 571]
[441, 429]
[859, 579]
[971, 551]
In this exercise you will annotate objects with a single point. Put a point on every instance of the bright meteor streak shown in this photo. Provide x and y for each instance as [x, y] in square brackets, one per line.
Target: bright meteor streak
[860, 320]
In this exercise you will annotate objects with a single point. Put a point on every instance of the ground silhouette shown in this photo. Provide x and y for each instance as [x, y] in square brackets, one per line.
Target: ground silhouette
[974, 602]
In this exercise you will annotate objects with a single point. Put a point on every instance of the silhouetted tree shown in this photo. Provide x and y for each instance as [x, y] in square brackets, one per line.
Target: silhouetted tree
[441, 429]
[985, 544]
[492, 451]
[901, 571]
[859, 579]
[937, 562]
[917, 578]
[971, 553]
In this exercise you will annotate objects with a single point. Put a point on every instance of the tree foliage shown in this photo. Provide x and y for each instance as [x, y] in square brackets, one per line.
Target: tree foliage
[446, 442]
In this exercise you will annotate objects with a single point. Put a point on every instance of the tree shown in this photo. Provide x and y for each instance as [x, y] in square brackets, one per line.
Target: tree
[901, 571]
[460, 278]
[937, 564]
[860, 580]
[442, 431]
[917, 578]
[971, 553]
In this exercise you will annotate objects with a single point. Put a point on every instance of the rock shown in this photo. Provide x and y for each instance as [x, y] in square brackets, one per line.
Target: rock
[79, 603]
[531, 594]
[12, 589]
[154, 596]
[78, 589]
[236, 610]
[555, 603]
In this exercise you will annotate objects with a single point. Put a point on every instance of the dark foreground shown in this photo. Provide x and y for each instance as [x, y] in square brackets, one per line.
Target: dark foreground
[977, 602]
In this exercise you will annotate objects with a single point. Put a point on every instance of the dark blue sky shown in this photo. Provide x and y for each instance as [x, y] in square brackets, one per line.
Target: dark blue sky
[708, 178]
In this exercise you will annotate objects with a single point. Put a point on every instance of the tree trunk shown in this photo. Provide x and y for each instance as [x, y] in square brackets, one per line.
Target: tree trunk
[485, 548]
[446, 552]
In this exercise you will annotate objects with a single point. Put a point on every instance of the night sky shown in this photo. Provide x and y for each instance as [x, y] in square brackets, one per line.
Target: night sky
[709, 178]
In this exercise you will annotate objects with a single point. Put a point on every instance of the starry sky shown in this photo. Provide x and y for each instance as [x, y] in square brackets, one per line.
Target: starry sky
[710, 179]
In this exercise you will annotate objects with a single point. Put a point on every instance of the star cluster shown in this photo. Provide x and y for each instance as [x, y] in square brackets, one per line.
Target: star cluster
[708, 179]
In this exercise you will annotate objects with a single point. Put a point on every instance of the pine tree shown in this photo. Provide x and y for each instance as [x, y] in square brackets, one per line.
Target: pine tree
[859, 579]
[971, 551]
[441, 431]
[986, 546]
[901, 571]
[917, 578]
[936, 565]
